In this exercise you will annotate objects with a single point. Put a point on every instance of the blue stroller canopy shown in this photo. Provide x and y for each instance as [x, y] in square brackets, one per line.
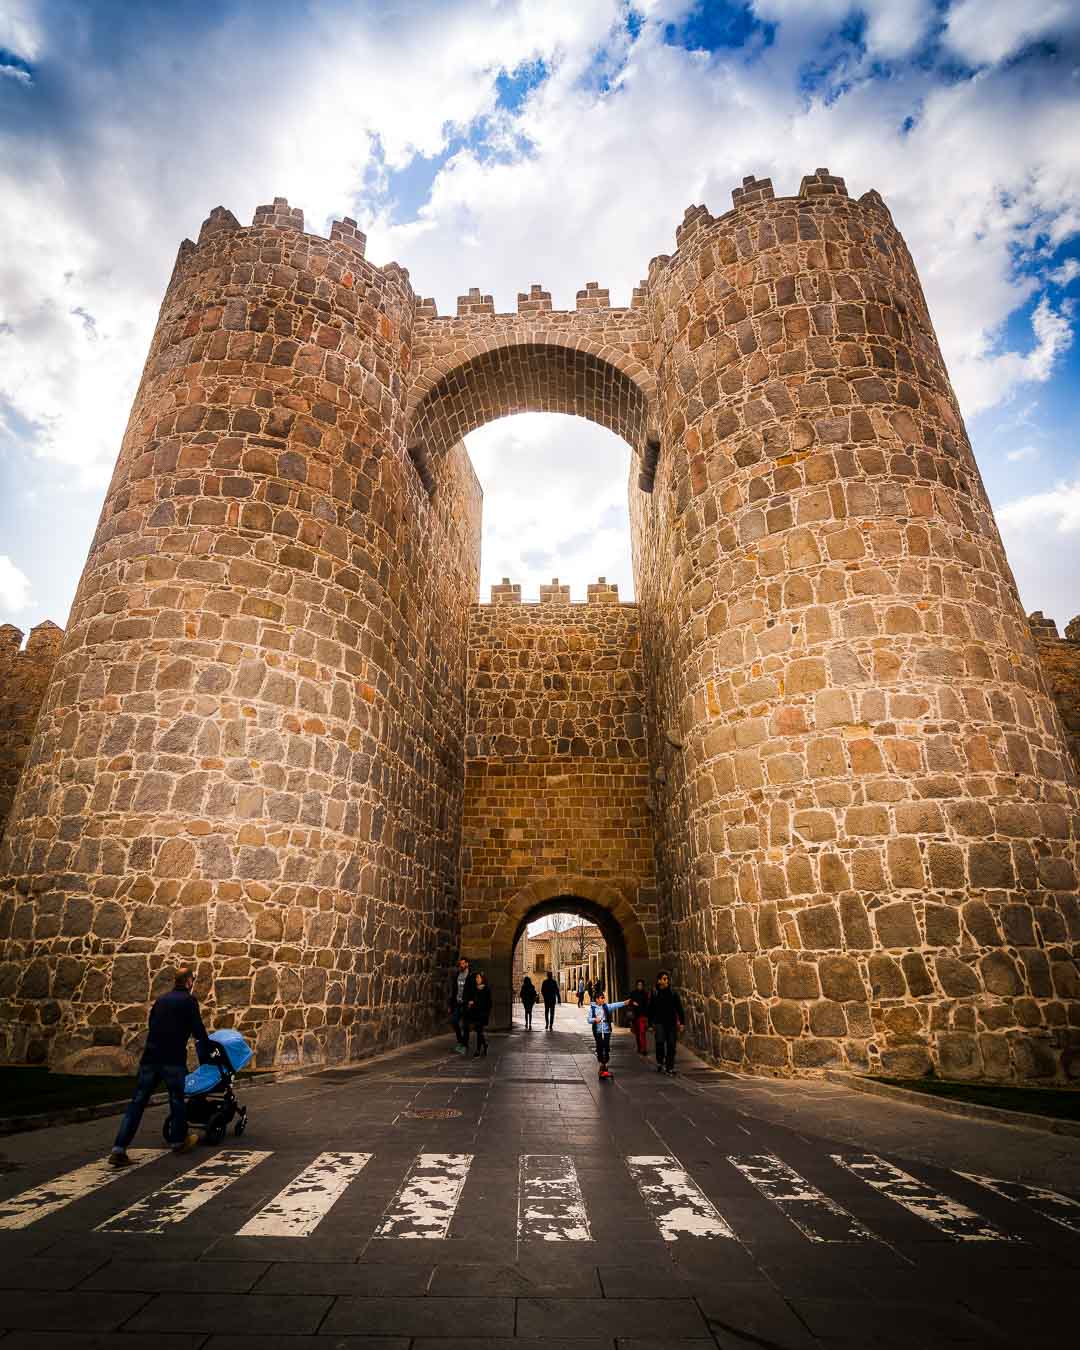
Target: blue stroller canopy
[207, 1076]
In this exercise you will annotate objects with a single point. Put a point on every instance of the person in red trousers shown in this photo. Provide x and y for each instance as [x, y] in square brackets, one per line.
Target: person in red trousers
[638, 1002]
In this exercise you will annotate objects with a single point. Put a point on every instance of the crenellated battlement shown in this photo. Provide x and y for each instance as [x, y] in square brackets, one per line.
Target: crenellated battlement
[600, 592]
[24, 678]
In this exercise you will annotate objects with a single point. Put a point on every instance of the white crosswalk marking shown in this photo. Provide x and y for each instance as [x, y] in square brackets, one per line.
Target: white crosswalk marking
[28, 1206]
[184, 1195]
[550, 1204]
[947, 1216]
[1052, 1205]
[810, 1210]
[306, 1200]
[676, 1203]
[425, 1204]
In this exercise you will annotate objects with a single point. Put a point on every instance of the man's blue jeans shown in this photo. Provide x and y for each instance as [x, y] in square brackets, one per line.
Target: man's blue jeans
[150, 1074]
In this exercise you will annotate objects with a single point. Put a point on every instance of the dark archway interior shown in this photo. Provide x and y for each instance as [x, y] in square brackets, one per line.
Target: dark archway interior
[617, 974]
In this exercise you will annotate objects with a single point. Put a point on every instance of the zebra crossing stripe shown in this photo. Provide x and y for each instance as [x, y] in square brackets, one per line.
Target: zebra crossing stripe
[812, 1212]
[184, 1194]
[1052, 1205]
[550, 1204]
[676, 1203]
[306, 1200]
[948, 1216]
[19, 1211]
[425, 1203]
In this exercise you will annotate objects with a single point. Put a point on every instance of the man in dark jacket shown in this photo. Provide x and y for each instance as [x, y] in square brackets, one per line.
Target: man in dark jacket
[460, 993]
[549, 992]
[666, 1017]
[174, 1018]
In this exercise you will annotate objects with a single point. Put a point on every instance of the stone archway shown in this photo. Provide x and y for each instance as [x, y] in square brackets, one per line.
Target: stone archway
[600, 902]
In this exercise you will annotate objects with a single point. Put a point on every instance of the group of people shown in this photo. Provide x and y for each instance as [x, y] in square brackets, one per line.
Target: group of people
[469, 1005]
[662, 1010]
[549, 992]
[586, 988]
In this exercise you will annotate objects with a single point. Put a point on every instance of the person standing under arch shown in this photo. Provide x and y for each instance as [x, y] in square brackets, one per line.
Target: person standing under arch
[478, 1012]
[638, 1002]
[528, 995]
[580, 992]
[666, 1017]
[549, 992]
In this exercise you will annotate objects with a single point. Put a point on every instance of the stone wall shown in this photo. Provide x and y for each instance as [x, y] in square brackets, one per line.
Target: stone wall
[827, 712]
[24, 677]
[556, 775]
[1060, 661]
[251, 751]
[868, 809]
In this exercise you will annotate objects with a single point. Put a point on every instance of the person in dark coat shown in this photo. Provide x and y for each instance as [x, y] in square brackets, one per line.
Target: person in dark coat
[478, 1012]
[174, 1019]
[549, 992]
[528, 995]
[460, 990]
[666, 1017]
[638, 1002]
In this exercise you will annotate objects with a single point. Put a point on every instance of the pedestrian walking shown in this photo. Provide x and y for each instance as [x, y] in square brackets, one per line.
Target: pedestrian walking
[462, 988]
[478, 1012]
[580, 992]
[174, 1019]
[600, 1021]
[528, 995]
[598, 988]
[666, 1017]
[549, 992]
[589, 990]
[638, 1003]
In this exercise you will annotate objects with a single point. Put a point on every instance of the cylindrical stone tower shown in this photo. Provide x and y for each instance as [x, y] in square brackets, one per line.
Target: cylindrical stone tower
[250, 752]
[866, 802]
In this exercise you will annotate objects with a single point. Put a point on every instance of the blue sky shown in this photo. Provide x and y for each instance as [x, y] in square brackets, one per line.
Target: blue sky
[500, 144]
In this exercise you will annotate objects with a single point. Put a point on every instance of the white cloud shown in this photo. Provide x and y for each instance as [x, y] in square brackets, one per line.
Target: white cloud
[1041, 532]
[15, 73]
[987, 31]
[20, 28]
[1021, 453]
[1066, 273]
[893, 27]
[589, 182]
[14, 587]
[988, 379]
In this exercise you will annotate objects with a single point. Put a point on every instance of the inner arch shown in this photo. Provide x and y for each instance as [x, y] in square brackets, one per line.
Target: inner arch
[527, 377]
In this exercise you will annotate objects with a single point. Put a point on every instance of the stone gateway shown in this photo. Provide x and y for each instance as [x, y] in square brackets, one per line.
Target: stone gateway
[816, 769]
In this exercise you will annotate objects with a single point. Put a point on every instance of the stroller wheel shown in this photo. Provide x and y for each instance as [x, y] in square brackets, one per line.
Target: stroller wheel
[241, 1123]
[215, 1130]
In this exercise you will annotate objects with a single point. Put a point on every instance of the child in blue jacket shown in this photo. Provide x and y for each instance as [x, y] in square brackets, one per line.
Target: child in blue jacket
[600, 1021]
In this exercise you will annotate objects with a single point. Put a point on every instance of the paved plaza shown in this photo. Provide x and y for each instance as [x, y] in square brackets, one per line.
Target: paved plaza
[545, 1208]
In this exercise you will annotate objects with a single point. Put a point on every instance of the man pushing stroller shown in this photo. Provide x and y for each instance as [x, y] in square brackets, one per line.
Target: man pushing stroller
[174, 1018]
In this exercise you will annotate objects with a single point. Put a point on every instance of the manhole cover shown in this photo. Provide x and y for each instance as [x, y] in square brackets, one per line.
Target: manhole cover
[431, 1113]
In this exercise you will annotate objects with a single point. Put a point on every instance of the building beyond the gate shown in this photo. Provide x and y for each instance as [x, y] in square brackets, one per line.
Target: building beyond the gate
[817, 768]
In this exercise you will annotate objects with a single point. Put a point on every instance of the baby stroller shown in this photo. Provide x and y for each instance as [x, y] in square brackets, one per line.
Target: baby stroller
[208, 1091]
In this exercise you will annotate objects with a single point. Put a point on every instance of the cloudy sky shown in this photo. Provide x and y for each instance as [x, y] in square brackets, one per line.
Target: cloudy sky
[496, 143]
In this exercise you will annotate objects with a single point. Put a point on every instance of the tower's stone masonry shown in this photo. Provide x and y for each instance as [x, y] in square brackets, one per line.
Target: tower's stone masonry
[868, 826]
[24, 677]
[557, 770]
[817, 767]
[251, 752]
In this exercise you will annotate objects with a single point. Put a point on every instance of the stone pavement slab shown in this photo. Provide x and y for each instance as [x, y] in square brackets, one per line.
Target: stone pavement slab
[245, 1314]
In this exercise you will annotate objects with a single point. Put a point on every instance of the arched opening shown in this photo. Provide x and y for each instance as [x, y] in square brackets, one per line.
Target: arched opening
[576, 940]
[446, 405]
[628, 954]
